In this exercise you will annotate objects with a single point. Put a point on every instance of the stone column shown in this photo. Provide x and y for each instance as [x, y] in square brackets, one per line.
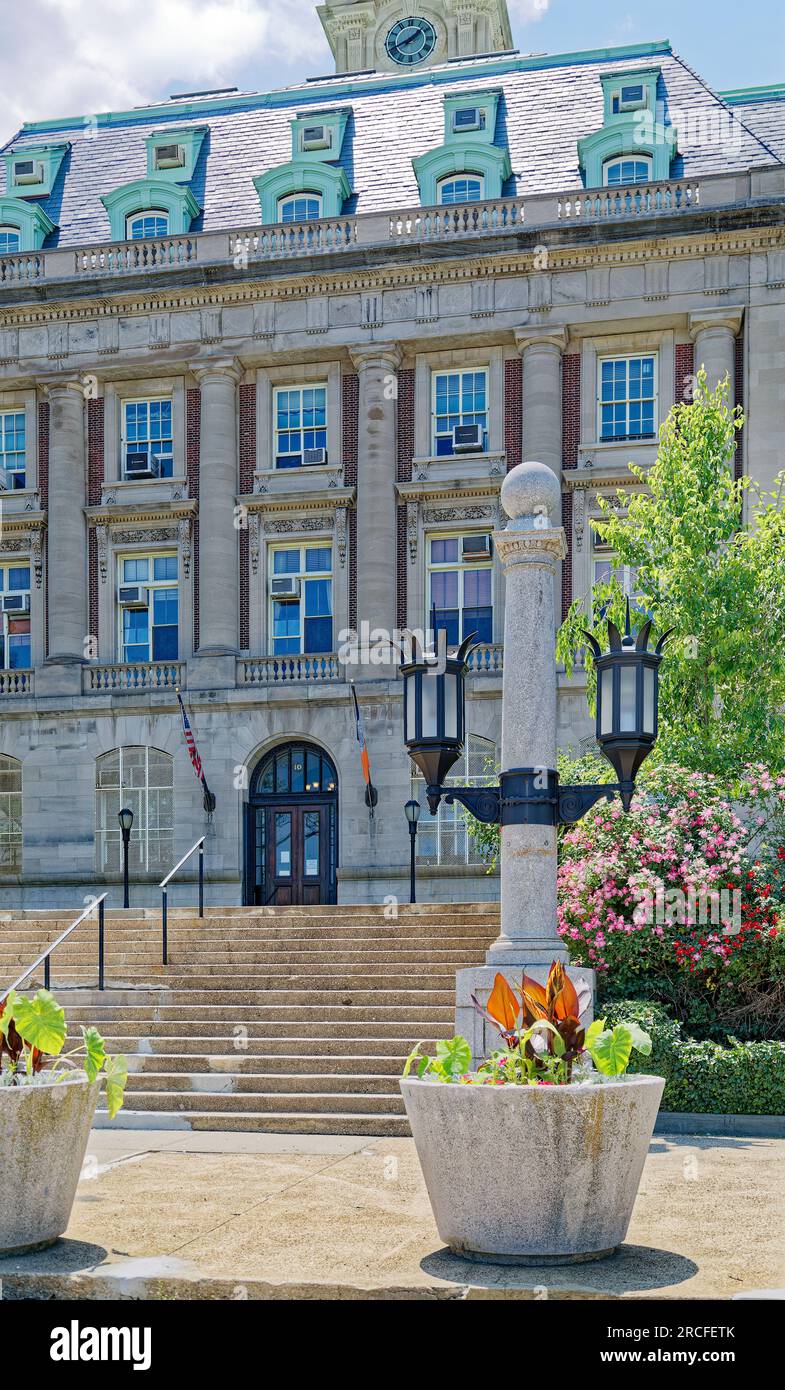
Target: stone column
[531, 549]
[219, 574]
[69, 622]
[377, 559]
[541, 349]
[714, 332]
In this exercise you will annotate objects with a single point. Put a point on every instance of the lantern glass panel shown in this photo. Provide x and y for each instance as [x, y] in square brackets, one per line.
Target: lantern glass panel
[430, 687]
[411, 708]
[606, 701]
[451, 706]
[648, 700]
[628, 721]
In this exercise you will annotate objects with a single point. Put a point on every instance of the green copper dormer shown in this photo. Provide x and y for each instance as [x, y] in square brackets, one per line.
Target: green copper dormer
[31, 170]
[633, 146]
[172, 154]
[150, 208]
[470, 117]
[468, 167]
[318, 135]
[23, 226]
[311, 185]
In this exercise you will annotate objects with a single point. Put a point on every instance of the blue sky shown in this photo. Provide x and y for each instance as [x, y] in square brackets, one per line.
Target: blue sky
[101, 55]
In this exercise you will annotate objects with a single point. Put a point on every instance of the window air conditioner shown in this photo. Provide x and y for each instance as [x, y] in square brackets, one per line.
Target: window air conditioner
[169, 156]
[317, 137]
[313, 458]
[287, 587]
[632, 98]
[18, 604]
[28, 171]
[476, 547]
[133, 596]
[468, 439]
[141, 465]
[469, 118]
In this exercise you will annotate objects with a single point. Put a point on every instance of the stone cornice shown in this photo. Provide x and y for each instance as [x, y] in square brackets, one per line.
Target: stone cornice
[111, 303]
[482, 489]
[141, 514]
[317, 501]
[21, 523]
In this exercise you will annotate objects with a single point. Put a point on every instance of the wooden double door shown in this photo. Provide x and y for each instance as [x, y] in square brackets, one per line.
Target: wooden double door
[293, 852]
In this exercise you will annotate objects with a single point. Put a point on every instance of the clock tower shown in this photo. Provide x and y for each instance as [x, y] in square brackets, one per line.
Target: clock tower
[405, 35]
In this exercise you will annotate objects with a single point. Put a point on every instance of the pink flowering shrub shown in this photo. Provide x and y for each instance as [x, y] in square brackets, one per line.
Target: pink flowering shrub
[679, 901]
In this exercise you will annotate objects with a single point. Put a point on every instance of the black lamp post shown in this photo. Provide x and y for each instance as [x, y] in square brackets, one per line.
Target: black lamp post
[126, 819]
[627, 704]
[412, 809]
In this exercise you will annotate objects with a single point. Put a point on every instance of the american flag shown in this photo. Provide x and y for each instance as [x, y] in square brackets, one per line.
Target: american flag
[371, 794]
[193, 753]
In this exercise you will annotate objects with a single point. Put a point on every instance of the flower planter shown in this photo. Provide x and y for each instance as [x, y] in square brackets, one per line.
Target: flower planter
[533, 1174]
[44, 1130]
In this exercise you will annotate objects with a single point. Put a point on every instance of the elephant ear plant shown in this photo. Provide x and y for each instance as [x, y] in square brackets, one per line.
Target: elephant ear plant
[32, 1038]
[544, 1039]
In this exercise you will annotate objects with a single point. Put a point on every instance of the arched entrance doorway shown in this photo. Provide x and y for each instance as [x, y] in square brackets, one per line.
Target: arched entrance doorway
[291, 850]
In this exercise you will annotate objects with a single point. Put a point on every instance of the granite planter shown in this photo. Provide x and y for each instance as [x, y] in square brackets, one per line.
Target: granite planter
[43, 1137]
[533, 1174]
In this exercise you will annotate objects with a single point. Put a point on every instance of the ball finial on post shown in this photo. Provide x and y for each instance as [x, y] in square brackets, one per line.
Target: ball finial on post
[531, 497]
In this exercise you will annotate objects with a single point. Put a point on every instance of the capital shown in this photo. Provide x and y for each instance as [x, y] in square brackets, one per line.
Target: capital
[385, 357]
[227, 369]
[549, 338]
[64, 387]
[728, 318]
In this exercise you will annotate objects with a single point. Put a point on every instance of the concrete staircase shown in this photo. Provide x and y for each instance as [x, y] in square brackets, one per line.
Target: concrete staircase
[285, 1020]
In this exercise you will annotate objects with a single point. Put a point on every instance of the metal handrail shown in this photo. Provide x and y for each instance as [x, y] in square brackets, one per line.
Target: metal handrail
[44, 958]
[164, 886]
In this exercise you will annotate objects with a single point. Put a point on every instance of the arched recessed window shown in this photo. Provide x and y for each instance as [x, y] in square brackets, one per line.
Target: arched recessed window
[444, 838]
[10, 240]
[10, 815]
[300, 207]
[140, 226]
[618, 173]
[468, 188]
[143, 779]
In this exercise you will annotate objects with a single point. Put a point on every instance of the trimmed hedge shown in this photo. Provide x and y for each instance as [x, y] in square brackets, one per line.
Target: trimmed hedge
[745, 1078]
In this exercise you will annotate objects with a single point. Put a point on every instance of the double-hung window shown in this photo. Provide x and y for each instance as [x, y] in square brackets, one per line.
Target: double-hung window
[460, 587]
[444, 838]
[300, 593]
[628, 397]
[141, 226]
[10, 240]
[147, 441]
[148, 608]
[300, 425]
[300, 207]
[15, 600]
[459, 398]
[12, 448]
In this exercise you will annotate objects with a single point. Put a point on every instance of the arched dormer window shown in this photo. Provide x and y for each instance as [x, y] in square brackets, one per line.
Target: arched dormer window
[10, 240]
[465, 188]
[141, 226]
[300, 207]
[621, 173]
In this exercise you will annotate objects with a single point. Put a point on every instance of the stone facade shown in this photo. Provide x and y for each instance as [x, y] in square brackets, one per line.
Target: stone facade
[371, 313]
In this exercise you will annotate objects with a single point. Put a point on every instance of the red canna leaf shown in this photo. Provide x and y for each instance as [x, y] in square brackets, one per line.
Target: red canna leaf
[503, 1004]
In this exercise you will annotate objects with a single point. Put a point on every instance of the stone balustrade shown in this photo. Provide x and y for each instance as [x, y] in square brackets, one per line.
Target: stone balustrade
[285, 670]
[17, 682]
[395, 227]
[132, 676]
[486, 659]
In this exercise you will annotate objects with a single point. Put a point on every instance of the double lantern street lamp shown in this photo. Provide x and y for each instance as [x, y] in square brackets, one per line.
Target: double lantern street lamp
[126, 819]
[627, 719]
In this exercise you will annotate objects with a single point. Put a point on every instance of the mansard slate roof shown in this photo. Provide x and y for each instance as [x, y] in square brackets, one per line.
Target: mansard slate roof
[547, 105]
[762, 109]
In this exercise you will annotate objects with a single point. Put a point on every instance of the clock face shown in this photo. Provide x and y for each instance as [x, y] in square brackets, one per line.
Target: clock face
[411, 41]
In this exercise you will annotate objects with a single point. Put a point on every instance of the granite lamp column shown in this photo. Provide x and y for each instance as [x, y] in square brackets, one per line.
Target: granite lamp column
[530, 549]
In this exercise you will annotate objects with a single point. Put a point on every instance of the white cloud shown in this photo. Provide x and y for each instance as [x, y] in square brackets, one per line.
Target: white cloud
[527, 10]
[99, 55]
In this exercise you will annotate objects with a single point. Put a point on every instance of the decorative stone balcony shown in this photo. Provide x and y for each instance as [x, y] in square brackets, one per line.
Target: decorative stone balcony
[397, 228]
[131, 677]
[17, 682]
[287, 670]
[486, 659]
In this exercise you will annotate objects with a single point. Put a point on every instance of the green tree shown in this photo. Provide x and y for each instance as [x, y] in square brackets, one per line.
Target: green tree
[709, 552]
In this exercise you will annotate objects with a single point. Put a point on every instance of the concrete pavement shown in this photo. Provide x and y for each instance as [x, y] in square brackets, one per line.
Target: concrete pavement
[172, 1215]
